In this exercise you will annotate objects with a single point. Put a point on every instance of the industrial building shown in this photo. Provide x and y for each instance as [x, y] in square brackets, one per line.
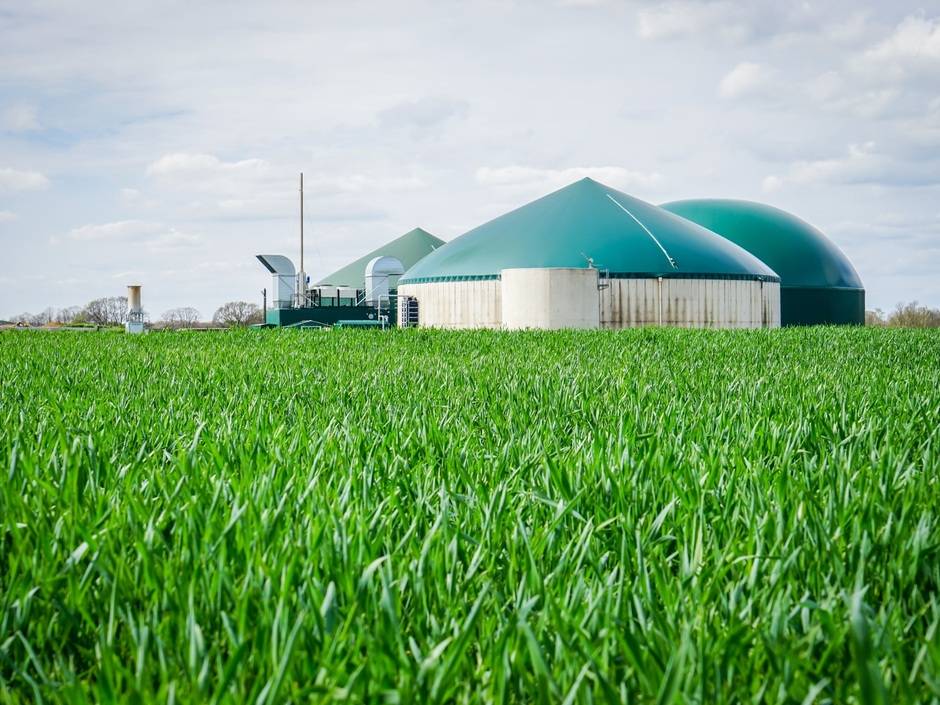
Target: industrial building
[361, 293]
[589, 256]
[818, 284]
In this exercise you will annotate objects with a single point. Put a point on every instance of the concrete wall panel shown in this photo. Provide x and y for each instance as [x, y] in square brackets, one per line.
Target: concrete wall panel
[539, 299]
[550, 298]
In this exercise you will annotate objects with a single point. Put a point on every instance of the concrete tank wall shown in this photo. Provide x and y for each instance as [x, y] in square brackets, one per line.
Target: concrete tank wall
[550, 298]
[690, 303]
[622, 303]
[457, 304]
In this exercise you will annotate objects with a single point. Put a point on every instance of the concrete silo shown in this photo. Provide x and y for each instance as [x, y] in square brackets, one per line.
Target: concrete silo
[589, 256]
[818, 284]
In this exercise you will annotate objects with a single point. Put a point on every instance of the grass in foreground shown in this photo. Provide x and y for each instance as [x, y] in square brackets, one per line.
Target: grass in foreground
[646, 516]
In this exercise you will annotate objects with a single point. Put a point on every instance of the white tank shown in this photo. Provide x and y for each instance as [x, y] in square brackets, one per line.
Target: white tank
[381, 274]
[133, 298]
[135, 312]
[550, 298]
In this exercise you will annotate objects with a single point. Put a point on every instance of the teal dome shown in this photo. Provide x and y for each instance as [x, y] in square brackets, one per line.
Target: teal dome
[818, 283]
[588, 221]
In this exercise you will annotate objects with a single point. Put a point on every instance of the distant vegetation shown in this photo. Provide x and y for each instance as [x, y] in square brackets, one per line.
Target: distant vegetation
[112, 311]
[108, 311]
[911, 315]
[184, 317]
[237, 313]
[645, 516]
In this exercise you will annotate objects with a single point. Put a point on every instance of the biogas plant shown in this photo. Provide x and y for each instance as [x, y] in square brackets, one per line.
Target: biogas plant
[588, 256]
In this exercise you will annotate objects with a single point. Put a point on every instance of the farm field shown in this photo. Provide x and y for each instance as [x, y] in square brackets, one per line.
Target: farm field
[647, 516]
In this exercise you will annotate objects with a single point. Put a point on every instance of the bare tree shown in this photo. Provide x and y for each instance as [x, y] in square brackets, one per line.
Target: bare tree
[69, 314]
[109, 311]
[913, 315]
[875, 317]
[237, 313]
[184, 317]
[43, 317]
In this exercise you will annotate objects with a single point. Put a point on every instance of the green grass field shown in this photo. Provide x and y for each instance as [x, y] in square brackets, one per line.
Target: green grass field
[651, 516]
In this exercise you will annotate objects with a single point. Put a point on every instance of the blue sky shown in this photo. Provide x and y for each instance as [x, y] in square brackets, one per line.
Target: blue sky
[160, 142]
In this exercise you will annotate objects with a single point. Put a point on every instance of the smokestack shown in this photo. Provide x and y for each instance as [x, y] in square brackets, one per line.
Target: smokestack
[135, 314]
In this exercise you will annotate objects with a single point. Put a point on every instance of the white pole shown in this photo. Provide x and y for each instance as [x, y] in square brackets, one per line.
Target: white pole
[302, 289]
[660, 300]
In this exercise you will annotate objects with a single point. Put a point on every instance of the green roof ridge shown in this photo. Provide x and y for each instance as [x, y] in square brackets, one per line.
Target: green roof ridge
[409, 248]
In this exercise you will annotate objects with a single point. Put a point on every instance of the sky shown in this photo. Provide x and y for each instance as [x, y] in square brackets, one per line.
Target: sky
[160, 142]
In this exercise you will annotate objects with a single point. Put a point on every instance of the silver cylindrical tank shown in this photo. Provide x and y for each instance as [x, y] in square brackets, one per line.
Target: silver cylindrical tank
[133, 298]
[380, 276]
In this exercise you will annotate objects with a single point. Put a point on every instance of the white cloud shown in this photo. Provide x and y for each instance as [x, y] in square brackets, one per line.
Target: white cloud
[173, 241]
[745, 78]
[424, 113]
[155, 237]
[832, 92]
[119, 230]
[851, 29]
[16, 180]
[201, 164]
[688, 18]
[859, 161]
[736, 22]
[915, 38]
[862, 164]
[923, 129]
[203, 185]
[531, 178]
[7, 216]
[910, 52]
[20, 117]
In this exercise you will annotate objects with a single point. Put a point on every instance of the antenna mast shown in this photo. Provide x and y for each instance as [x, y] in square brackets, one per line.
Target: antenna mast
[302, 289]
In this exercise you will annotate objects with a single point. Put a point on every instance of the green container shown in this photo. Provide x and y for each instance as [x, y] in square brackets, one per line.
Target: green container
[325, 316]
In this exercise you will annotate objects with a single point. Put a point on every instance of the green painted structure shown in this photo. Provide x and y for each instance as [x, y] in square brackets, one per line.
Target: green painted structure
[408, 249]
[818, 284]
[342, 310]
[588, 221]
[322, 316]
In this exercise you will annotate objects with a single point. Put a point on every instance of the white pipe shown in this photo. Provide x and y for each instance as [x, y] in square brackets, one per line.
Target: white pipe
[672, 262]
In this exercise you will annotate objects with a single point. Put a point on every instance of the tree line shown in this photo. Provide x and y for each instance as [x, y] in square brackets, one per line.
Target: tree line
[112, 311]
[909, 315]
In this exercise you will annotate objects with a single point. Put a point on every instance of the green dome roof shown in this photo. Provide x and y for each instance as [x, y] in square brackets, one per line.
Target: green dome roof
[798, 252]
[407, 249]
[619, 233]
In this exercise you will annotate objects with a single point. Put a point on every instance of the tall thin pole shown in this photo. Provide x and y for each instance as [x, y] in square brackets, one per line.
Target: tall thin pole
[303, 277]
